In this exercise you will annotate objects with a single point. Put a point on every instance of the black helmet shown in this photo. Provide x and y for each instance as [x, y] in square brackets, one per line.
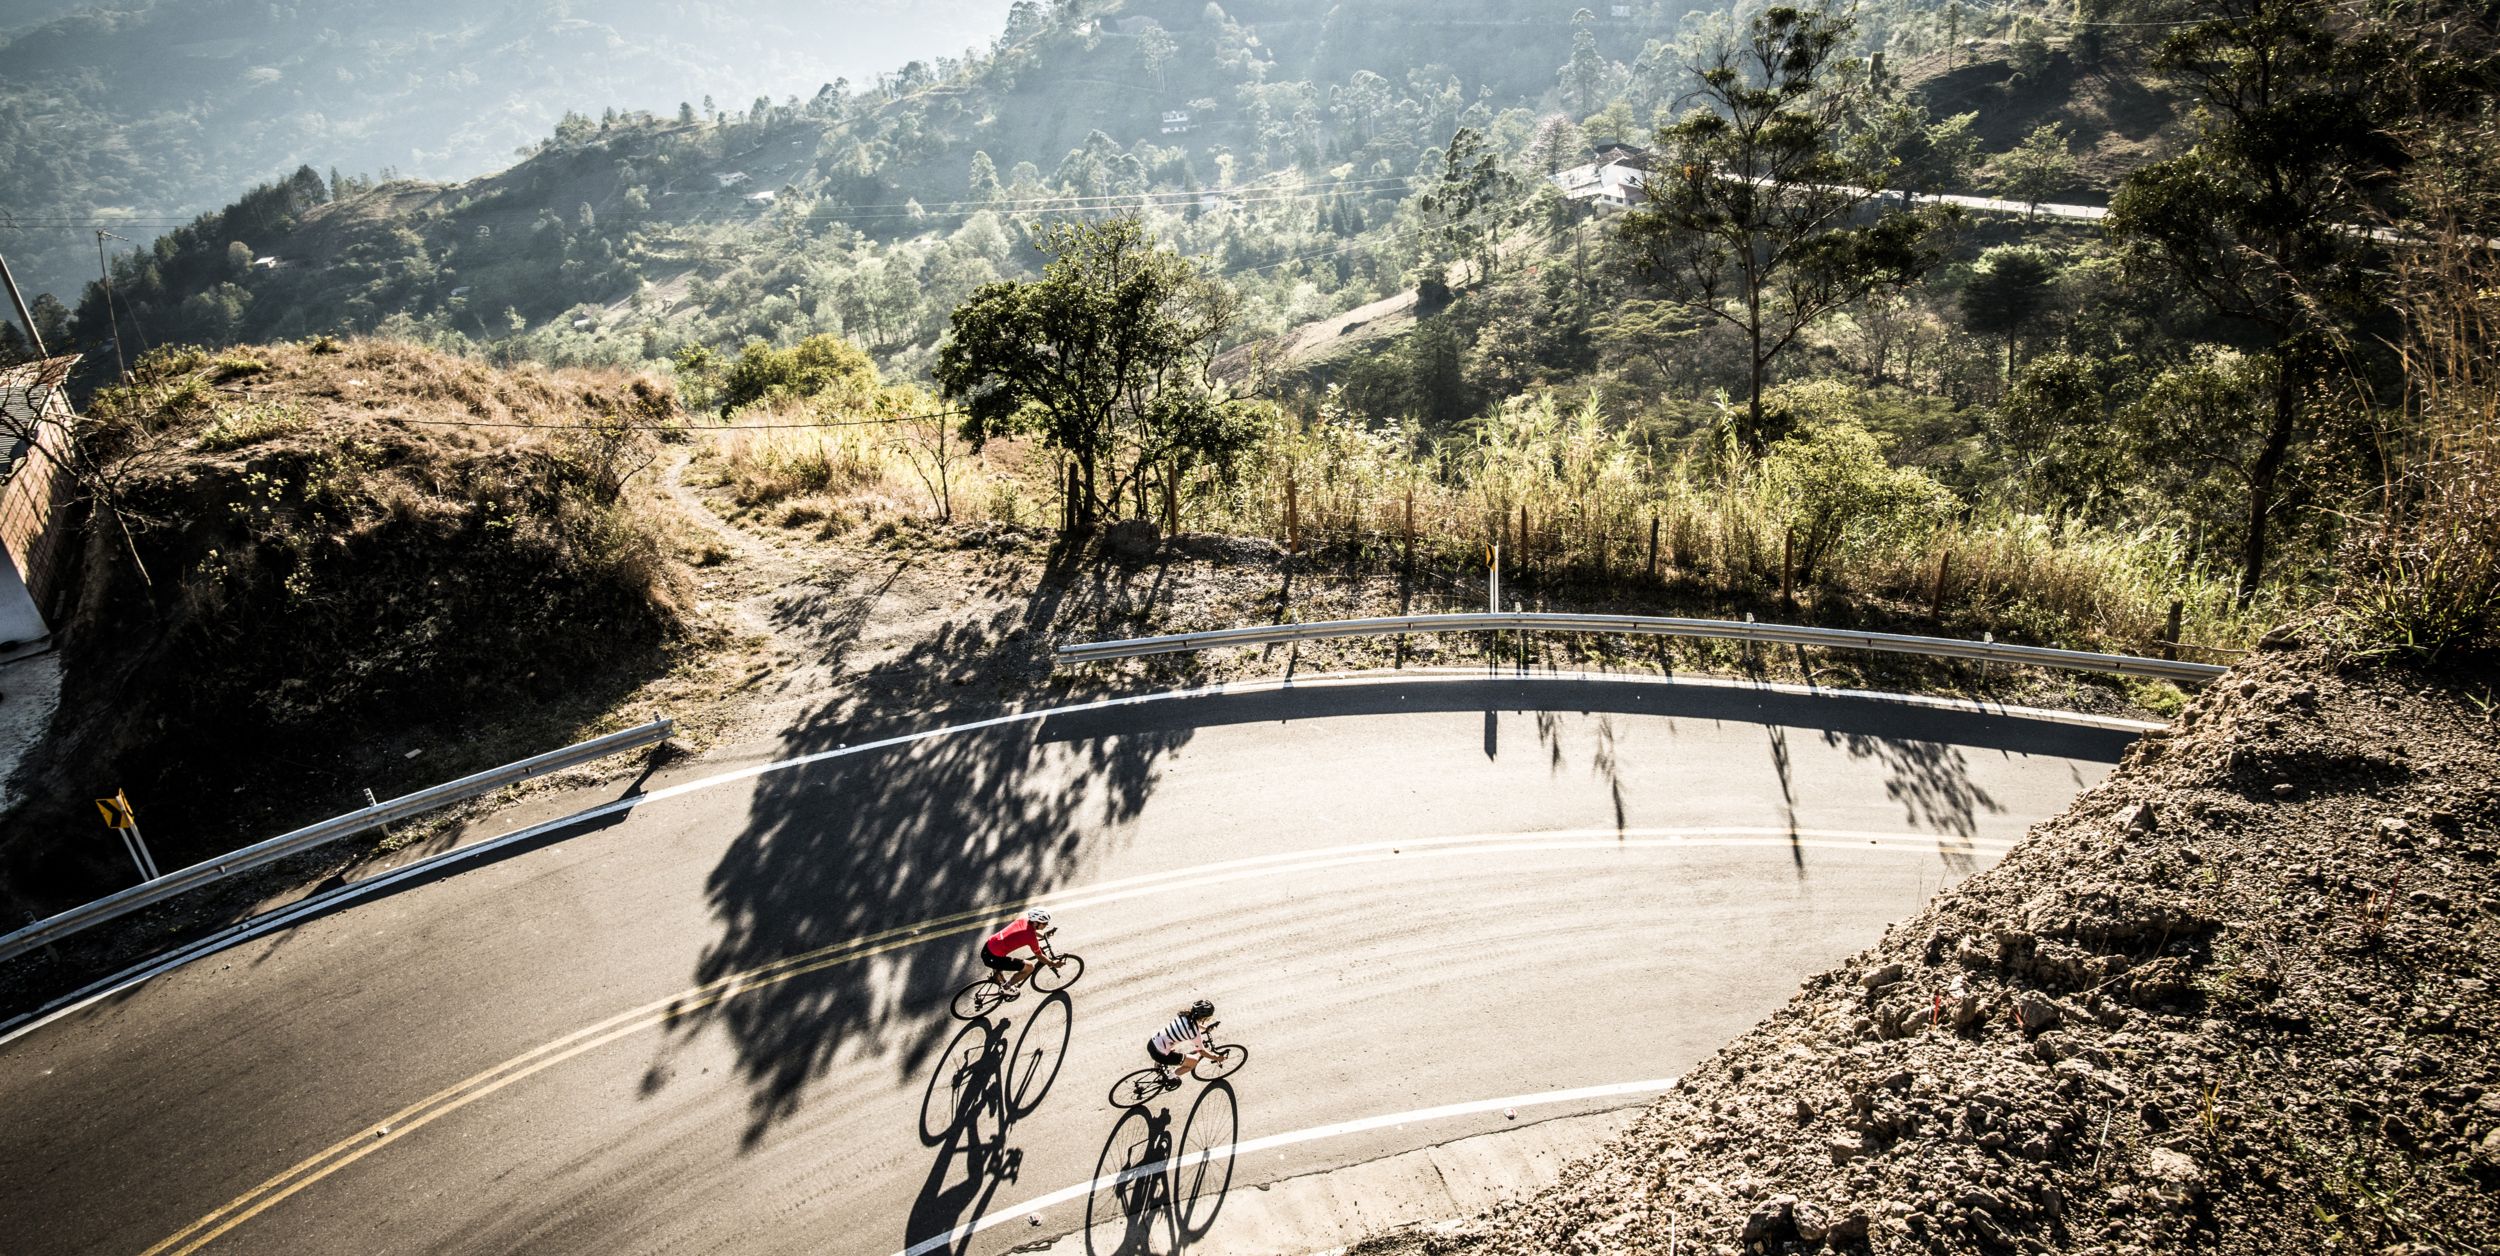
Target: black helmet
[1201, 1010]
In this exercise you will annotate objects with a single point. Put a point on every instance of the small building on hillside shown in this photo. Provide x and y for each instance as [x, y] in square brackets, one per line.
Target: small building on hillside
[730, 179]
[35, 428]
[1612, 181]
[1176, 122]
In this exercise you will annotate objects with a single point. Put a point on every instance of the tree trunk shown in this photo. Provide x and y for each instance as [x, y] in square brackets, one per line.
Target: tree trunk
[1752, 436]
[2262, 475]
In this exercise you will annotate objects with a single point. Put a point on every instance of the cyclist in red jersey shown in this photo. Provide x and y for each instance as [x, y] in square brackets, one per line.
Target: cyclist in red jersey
[1030, 931]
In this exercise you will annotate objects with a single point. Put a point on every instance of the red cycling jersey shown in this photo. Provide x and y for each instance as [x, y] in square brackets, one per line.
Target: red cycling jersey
[1019, 932]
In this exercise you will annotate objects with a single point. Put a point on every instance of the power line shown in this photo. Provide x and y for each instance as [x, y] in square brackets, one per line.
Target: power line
[688, 428]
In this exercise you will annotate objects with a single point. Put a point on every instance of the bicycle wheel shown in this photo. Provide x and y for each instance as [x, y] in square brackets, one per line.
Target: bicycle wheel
[1224, 1061]
[978, 999]
[1048, 981]
[1137, 1089]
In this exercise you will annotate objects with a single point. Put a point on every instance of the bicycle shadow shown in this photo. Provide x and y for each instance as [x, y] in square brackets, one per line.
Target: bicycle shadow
[986, 1081]
[1157, 1191]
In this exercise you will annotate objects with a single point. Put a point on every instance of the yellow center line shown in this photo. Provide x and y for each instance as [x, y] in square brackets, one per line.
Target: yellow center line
[659, 1012]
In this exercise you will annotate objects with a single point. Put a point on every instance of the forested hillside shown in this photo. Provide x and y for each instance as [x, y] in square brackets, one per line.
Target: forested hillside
[1280, 139]
[124, 113]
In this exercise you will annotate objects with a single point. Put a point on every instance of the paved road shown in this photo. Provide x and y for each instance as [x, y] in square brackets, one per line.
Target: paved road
[718, 1023]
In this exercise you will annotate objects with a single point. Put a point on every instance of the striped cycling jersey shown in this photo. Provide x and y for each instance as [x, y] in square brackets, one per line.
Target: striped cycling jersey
[1181, 1030]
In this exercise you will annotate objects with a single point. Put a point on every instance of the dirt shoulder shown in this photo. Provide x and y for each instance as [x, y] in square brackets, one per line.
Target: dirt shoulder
[2237, 999]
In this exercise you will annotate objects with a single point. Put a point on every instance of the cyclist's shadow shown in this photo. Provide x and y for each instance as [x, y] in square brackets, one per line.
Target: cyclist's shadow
[985, 1082]
[1157, 1188]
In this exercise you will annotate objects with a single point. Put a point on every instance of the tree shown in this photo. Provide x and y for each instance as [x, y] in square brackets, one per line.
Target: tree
[1920, 153]
[685, 113]
[1584, 76]
[2256, 219]
[52, 320]
[1832, 481]
[1108, 358]
[2052, 422]
[1558, 143]
[1466, 208]
[1155, 49]
[2036, 169]
[983, 181]
[1750, 213]
[2008, 290]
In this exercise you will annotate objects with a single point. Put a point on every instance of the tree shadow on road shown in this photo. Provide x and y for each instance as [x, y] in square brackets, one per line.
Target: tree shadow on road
[969, 825]
[1932, 783]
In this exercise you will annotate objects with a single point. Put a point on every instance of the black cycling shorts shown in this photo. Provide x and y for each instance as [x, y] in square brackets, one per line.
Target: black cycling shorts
[1001, 963]
[1168, 1059]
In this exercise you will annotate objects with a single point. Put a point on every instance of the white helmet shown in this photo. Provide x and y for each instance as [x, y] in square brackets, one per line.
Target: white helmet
[1038, 915]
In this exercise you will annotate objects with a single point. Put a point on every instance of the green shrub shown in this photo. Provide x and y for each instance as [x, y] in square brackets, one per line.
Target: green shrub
[247, 425]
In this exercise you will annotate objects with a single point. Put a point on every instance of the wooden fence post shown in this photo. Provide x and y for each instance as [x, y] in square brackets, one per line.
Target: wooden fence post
[1653, 547]
[1944, 572]
[2170, 630]
[1788, 557]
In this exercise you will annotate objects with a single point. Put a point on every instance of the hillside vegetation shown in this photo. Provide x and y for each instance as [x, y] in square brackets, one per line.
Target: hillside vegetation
[309, 562]
[133, 115]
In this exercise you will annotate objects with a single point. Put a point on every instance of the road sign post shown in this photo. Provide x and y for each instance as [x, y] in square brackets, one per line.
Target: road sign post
[120, 817]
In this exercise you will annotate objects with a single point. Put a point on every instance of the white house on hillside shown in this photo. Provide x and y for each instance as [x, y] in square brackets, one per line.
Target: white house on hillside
[1612, 181]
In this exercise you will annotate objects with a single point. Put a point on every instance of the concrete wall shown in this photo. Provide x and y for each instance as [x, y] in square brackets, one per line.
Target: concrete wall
[19, 618]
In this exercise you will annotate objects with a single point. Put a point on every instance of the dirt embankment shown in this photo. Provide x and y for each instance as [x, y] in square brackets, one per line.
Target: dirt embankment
[2237, 999]
[321, 578]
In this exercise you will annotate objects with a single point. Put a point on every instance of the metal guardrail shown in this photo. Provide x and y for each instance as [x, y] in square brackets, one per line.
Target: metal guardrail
[209, 872]
[1652, 625]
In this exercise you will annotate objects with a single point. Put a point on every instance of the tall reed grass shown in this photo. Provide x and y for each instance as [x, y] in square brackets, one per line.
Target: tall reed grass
[1580, 511]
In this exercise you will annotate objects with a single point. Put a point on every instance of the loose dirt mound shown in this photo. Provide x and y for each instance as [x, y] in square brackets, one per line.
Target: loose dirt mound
[2235, 1000]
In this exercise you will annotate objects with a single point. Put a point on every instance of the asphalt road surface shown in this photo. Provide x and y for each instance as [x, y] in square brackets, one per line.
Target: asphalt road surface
[718, 1023]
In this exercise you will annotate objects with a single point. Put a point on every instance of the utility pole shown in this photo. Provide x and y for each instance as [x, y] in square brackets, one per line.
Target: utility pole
[32, 335]
[121, 366]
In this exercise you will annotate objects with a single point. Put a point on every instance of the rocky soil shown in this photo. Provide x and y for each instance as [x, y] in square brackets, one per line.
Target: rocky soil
[2237, 999]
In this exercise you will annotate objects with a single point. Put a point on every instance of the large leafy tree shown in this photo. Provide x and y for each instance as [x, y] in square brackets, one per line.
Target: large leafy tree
[2259, 218]
[1107, 358]
[1752, 212]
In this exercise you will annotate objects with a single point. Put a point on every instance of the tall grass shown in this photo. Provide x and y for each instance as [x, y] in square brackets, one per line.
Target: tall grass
[2426, 579]
[1574, 503]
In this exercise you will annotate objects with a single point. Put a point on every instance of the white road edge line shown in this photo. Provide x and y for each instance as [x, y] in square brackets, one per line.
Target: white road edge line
[244, 931]
[1313, 1134]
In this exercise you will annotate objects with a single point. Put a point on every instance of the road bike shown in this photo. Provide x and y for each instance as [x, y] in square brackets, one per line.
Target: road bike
[1147, 1084]
[984, 996]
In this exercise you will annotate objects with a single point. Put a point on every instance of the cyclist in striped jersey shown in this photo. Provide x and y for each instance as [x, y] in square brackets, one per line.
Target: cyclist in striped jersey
[1182, 1043]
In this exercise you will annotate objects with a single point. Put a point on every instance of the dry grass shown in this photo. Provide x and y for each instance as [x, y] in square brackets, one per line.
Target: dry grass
[2426, 578]
[1573, 502]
